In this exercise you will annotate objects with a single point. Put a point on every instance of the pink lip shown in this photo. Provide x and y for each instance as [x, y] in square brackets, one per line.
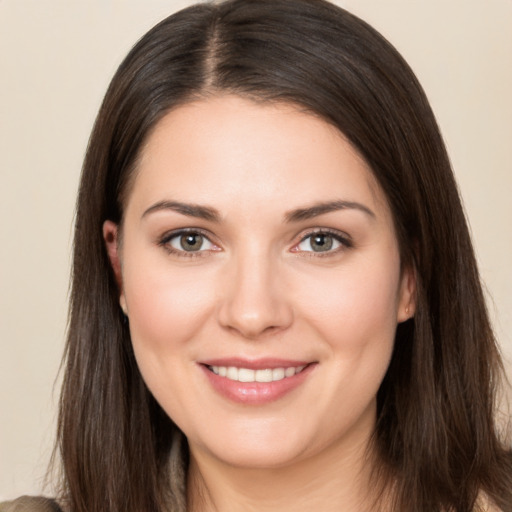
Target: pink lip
[255, 393]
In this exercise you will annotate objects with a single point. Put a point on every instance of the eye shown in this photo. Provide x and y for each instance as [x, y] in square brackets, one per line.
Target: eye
[187, 242]
[322, 242]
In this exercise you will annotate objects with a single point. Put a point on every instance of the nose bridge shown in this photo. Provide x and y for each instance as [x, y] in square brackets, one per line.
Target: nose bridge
[254, 301]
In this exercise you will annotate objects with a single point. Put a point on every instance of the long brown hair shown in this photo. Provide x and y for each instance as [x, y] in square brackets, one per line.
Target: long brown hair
[436, 437]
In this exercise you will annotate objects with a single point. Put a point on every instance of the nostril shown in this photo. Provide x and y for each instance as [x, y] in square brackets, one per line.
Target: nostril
[252, 305]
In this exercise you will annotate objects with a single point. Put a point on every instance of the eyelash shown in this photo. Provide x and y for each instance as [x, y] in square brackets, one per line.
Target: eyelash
[344, 240]
[168, 237]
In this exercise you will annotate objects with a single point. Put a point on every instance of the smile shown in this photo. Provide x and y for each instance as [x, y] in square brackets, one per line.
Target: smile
[261, 375]
[256, 382]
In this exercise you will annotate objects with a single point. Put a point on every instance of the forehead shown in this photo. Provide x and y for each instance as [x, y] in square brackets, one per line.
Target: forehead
[232, 150]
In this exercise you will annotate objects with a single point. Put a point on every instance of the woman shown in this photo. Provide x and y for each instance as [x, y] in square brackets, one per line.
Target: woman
[275, 302]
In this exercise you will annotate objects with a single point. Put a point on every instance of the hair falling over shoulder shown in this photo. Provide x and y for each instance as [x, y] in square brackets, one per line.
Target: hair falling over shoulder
[439, 444]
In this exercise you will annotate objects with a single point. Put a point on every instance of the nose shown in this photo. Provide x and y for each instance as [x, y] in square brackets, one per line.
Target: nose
[254, 299]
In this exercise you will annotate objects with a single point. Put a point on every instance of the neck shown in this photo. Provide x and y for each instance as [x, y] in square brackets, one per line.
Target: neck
[336, 479]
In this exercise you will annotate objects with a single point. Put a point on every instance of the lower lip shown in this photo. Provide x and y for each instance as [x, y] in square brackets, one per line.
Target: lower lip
[256, 393]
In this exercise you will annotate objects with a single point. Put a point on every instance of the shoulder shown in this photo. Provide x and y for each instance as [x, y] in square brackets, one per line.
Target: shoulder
[30, 504]
[484, 504]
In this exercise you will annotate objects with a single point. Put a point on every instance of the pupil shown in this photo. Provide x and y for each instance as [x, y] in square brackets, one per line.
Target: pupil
[321, 243]
[191, 242]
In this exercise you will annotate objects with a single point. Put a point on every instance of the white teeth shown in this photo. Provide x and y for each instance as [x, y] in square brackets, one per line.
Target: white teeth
[232, 373]
[246, 375]
[278, 374]
[289, 372]
[249, 375]
[263, 375]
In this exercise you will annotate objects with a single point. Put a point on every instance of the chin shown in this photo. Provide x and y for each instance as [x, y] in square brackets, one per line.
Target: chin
[260, 456]
[272, 445]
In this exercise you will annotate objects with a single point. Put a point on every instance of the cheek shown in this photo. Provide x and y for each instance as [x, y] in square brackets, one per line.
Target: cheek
[353, 310]
[354, 307]
[166, 306]
[167, 309]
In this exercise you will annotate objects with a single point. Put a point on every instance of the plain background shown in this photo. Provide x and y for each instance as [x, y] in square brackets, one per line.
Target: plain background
[56, 59]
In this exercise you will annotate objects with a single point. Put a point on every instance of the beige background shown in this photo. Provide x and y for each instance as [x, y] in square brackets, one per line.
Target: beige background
[56, 59]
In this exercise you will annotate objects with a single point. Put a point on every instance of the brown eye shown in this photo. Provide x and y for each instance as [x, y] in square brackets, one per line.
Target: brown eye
[190, 242]
[322, 242]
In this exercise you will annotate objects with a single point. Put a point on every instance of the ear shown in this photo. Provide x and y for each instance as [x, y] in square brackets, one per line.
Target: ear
[407, 295]
[111, 238]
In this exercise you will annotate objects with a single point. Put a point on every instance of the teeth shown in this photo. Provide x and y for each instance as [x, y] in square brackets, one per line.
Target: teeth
[278, 374]
[263, 375]
[289, 372]
[232, 373]
[248, 375]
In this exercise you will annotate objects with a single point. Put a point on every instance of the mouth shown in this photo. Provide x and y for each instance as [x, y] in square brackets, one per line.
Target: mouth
[256, 382]
[261, 375]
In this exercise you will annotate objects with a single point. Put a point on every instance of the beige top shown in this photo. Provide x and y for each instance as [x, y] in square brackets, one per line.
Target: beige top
[30, 504]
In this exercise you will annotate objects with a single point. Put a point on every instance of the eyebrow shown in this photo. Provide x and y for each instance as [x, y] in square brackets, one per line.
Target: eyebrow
[190, 210]
[297, 215]
[317, 209]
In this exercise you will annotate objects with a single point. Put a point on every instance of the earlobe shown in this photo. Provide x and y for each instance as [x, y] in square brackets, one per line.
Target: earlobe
[111, 238]
[407, 302]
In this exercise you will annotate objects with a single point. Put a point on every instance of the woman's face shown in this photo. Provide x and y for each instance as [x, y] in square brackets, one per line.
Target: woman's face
[260, 272]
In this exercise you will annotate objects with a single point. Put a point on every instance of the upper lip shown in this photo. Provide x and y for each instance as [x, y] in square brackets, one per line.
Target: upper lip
[255, 364]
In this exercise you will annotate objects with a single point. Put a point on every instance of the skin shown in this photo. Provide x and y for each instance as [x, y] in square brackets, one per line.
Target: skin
[257, 287]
